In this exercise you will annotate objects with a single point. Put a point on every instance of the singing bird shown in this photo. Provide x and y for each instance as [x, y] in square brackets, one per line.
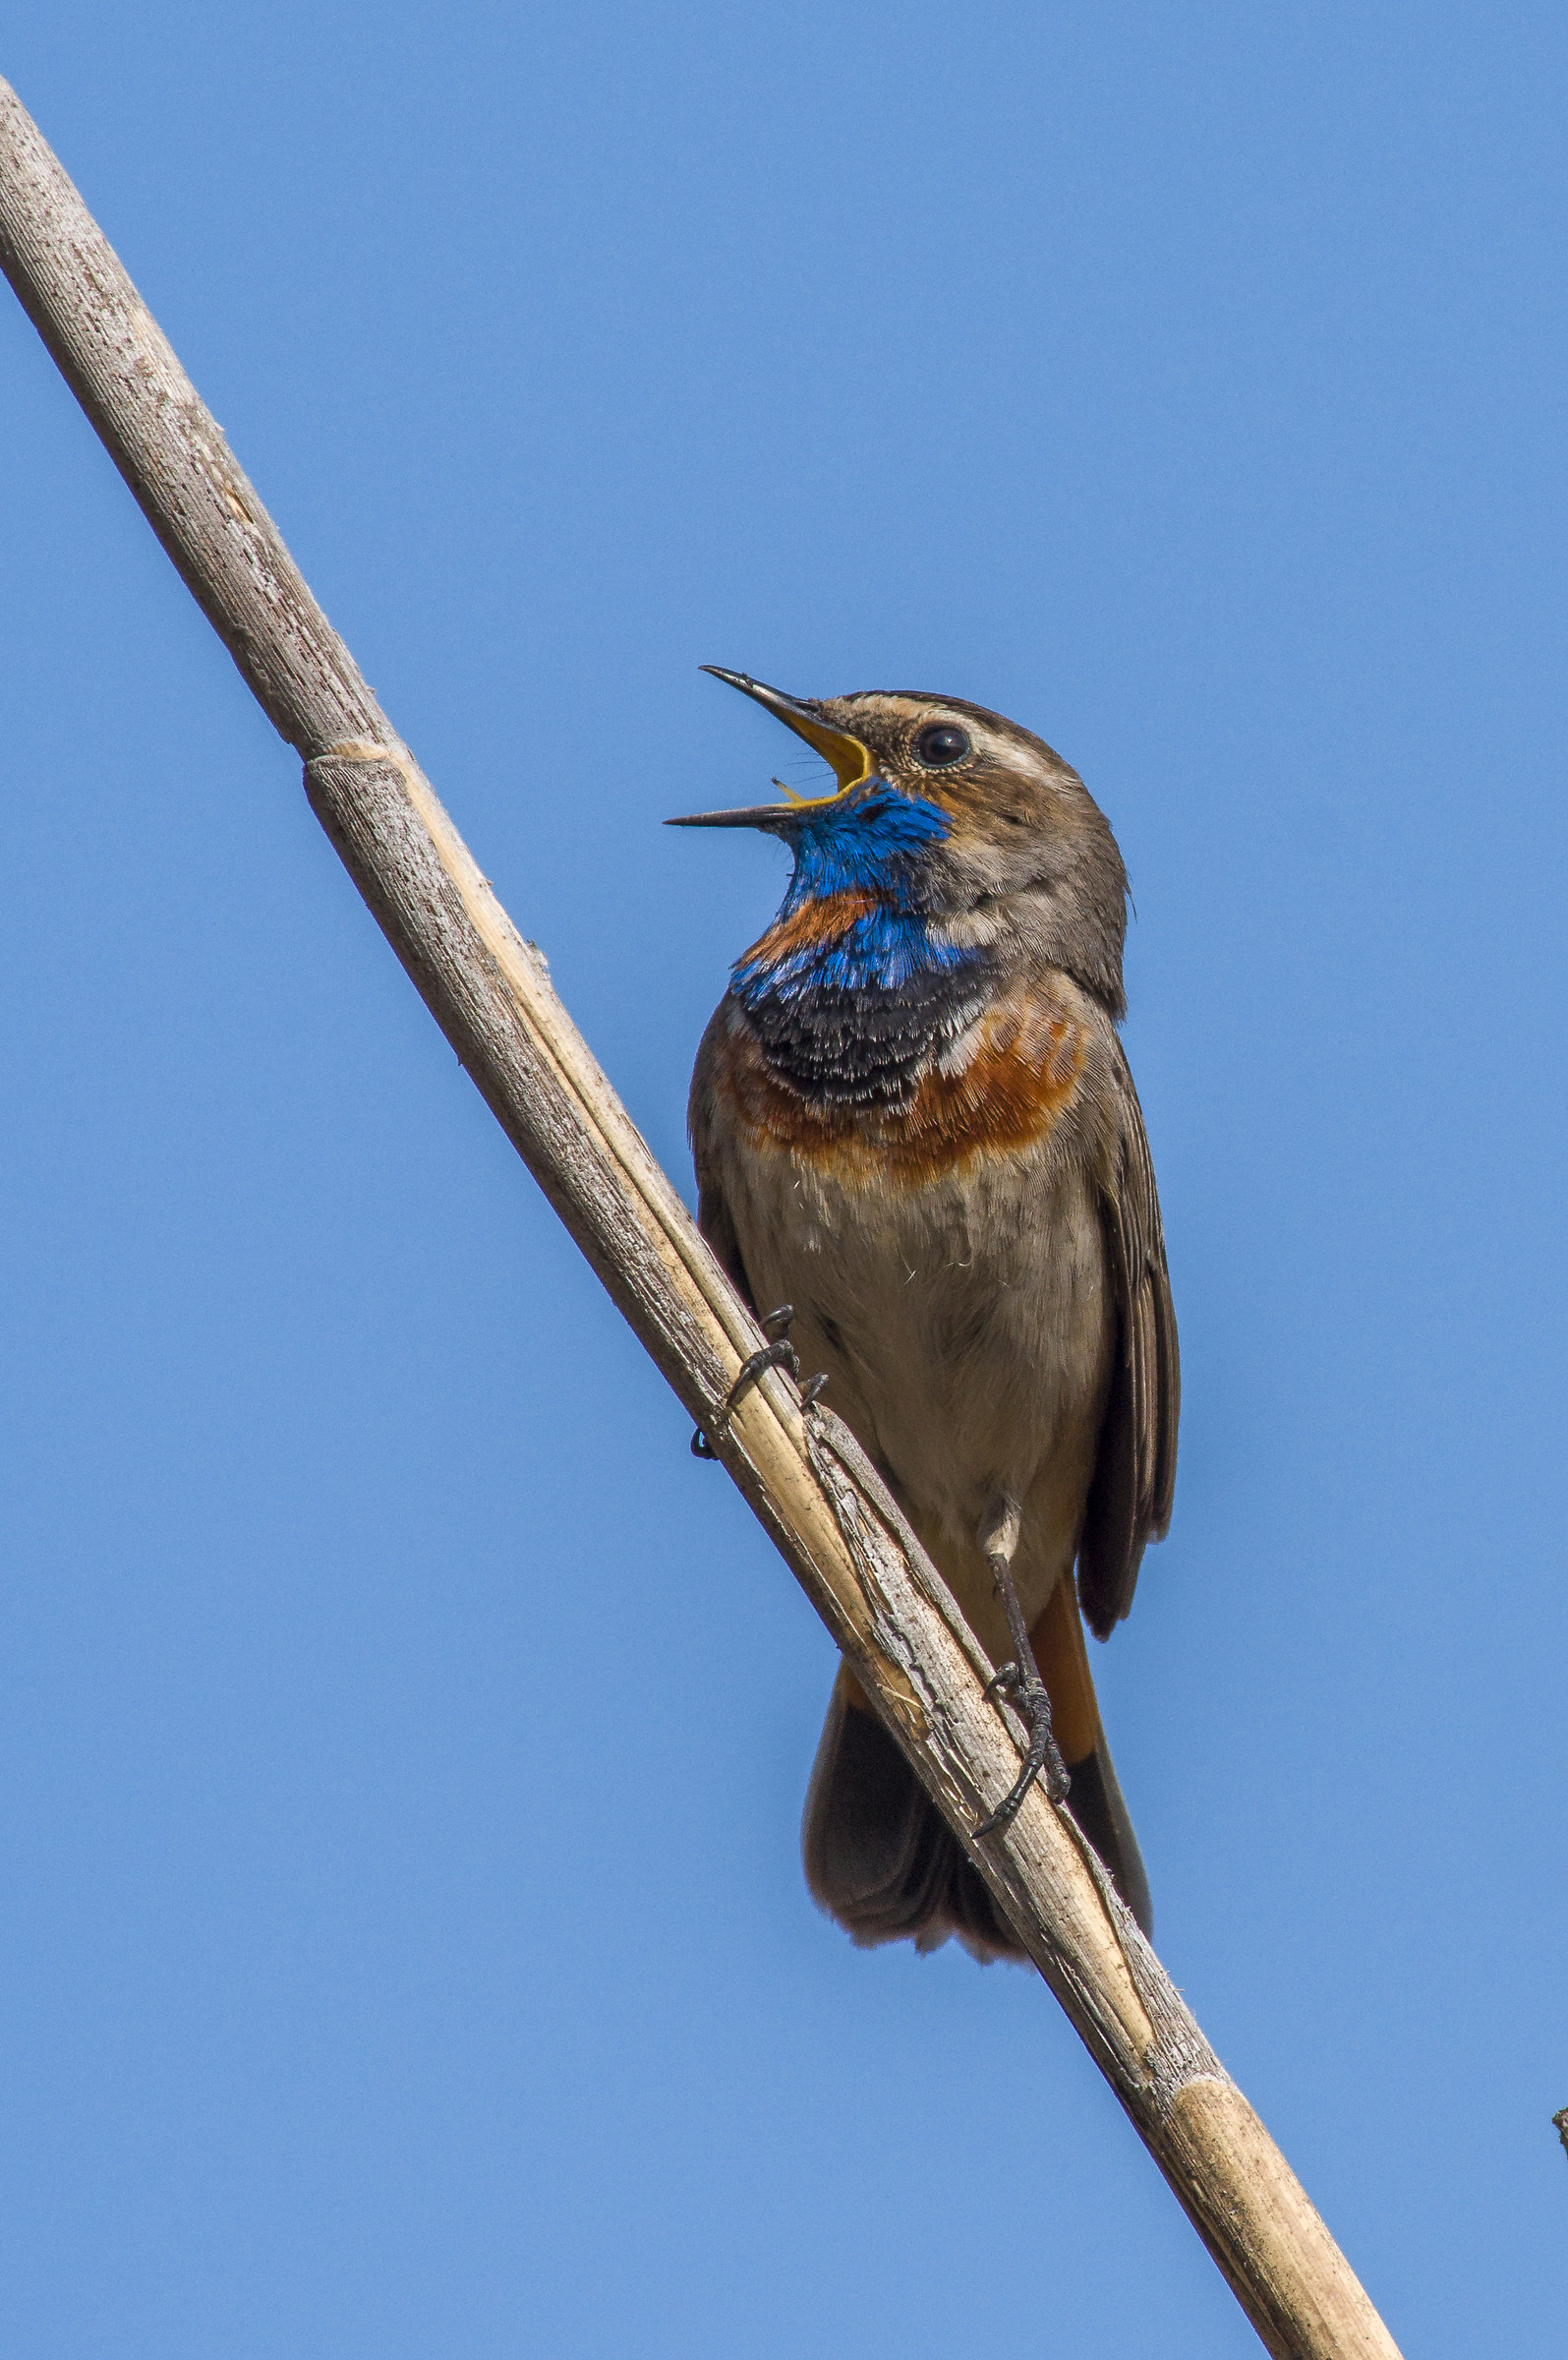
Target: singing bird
[913, 1121]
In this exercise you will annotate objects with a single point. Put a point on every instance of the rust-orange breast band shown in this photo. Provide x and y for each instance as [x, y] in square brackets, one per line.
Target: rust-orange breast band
[1019, 1078]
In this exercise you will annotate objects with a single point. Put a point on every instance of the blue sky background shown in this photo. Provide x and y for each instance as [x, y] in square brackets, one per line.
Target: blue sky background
[405, 1948]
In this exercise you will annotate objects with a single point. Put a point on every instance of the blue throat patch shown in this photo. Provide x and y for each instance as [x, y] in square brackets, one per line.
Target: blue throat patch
[876, 844]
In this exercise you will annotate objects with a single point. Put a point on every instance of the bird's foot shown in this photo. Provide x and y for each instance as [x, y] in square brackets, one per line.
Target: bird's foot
[778, 1353]
[1043, 1753]
[1021, 1679]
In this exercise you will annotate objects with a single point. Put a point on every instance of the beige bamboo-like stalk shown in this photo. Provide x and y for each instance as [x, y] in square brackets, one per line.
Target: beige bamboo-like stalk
[801, 1469]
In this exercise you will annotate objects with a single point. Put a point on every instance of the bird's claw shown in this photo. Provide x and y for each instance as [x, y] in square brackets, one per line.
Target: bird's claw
[1043, 1756]
[778, 1353]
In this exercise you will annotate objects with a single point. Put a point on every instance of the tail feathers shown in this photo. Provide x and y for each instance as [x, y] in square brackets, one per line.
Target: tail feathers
[880, 1858]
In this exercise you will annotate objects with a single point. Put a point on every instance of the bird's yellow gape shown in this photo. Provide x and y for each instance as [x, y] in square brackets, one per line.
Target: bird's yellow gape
[849, 761]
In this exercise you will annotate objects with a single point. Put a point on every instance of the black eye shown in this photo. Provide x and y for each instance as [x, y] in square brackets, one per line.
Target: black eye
[940, 744]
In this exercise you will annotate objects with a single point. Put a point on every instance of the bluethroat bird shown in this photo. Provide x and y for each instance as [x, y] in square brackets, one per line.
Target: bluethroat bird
[914, 1122]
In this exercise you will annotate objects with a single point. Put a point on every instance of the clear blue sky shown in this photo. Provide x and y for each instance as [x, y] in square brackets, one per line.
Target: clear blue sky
[406, 1951]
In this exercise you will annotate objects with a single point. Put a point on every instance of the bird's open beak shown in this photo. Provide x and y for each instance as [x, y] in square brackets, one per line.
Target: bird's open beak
[848, 759]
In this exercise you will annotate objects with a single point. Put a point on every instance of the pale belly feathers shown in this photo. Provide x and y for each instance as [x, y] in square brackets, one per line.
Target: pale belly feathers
[966, 1328]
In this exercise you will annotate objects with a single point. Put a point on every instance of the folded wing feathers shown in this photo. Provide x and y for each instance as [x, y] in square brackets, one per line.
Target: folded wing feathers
[1129, 1503]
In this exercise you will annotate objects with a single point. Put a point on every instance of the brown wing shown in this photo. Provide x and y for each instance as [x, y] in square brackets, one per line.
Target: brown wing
[1134, 1475]
[713, 1209]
